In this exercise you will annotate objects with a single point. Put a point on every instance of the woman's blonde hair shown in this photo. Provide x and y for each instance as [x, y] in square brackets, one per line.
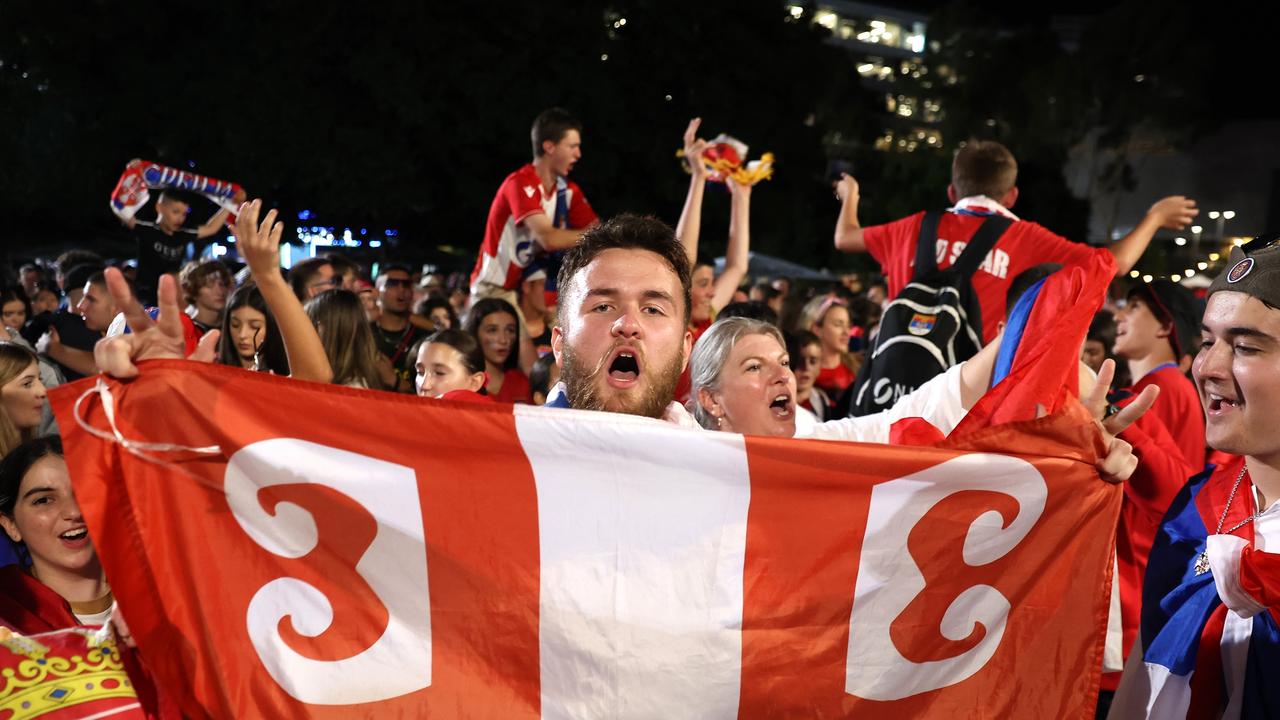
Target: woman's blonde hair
[14, 360]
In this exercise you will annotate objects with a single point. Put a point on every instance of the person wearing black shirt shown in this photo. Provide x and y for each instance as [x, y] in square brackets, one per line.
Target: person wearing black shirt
[162, 244]
[393, 333]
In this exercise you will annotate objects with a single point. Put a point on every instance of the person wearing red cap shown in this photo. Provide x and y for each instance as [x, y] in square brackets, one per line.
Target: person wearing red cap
[1154, 332]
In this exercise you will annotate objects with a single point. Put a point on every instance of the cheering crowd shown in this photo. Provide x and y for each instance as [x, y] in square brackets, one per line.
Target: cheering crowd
[568, 310]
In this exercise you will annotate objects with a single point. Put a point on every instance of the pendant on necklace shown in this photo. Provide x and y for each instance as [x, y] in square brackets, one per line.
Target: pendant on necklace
[1202, 563]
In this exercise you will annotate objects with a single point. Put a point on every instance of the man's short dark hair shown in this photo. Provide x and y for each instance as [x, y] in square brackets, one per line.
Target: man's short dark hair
[72, 258]
[983, 167]
[186, 197]
[751, 309]
[76, 277]
[99, 278]
[301, 274]
[1023, 281]
[540, 374]
[390, 268]
[342, 264]
[627, 232]
[552, 124]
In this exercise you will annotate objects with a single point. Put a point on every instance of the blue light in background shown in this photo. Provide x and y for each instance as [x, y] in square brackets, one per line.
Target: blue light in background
[304, 215]
[375, 243]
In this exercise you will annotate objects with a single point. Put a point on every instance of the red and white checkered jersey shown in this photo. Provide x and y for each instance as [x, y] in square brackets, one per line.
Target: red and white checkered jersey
[508, 245]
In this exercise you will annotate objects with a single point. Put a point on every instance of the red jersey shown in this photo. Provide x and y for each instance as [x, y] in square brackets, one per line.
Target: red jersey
[1178, 409]
[508, 245]
[515, 388]
[1024, 245]
[834, 381]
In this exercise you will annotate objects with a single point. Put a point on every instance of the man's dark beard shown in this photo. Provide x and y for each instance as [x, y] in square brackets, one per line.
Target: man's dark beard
[580, 386]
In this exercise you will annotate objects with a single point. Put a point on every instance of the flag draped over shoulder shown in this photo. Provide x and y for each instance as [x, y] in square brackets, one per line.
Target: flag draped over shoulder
[460, 560]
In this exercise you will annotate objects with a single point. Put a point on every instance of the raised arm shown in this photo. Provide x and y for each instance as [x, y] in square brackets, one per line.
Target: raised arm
[214, 223]
[1172, 213]
[848, 230]
[690, 225]
[736, 255]
[260, 244]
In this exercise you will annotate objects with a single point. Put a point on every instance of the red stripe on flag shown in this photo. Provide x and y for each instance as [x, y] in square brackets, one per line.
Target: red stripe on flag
[805, 544]
[185, 571]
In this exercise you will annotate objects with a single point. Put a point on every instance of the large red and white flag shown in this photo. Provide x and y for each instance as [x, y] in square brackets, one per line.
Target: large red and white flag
[462, 561]
[337, 553]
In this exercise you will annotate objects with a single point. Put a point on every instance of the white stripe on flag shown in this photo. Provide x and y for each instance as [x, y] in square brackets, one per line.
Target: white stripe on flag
[643, 537]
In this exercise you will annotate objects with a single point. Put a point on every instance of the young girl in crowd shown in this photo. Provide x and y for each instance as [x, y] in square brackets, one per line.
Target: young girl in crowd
[250, 338]
[451, 366]
[15, 310]
[23, 401]
[438, 311]
[805, 350]
[331, 343]
[38, 510]
[492, 322]
[338, 316]
[828, 319]
[64, 584]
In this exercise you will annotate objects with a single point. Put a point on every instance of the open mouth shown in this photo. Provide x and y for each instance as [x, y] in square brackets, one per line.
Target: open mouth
[77, 538]
[782, 406]
[624, 370]
[1219, 404]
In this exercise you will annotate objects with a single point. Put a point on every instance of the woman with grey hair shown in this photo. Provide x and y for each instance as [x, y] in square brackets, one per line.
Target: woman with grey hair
[742, 382]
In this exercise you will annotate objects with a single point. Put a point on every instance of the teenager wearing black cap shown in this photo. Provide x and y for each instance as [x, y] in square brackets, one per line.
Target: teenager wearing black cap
[1210, 641]
[1156, 329]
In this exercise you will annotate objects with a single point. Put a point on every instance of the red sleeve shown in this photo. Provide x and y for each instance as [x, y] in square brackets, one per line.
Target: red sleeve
[888, 242]
[581, 213]
[1051, 247]
[1161, 472]
[523, 195]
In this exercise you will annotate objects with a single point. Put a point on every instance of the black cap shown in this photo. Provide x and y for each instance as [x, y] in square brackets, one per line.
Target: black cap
[1171, 303]
[1253, 270]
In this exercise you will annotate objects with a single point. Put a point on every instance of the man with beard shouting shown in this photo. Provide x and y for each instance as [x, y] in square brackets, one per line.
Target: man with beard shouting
[622, 326]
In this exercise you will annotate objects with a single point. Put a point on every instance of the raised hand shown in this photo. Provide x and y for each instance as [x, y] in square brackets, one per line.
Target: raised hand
[693, 149]
[846, 186]
[150, 339]
[1174, 212]
[1120, 462]
[259, 243]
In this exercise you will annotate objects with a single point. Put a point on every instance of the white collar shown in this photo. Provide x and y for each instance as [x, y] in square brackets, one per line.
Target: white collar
[982, 203]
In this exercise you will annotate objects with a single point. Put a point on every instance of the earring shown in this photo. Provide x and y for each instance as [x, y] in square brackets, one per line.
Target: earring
[719, 422]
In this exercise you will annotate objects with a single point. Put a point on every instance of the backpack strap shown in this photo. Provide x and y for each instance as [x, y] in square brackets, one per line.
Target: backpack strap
[927, 245]
[980, 244]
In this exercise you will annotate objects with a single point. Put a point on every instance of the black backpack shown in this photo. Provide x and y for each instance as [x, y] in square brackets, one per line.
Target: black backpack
[933, 324]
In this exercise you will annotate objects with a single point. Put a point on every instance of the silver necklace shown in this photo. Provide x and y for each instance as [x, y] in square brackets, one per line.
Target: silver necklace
[1202, 562]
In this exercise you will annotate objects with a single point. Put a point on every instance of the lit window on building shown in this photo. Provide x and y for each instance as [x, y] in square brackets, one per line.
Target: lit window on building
[910, 141]
[875, 31]
[875, 68]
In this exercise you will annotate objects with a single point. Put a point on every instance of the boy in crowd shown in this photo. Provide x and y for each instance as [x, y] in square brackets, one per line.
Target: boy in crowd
[1154, 333]
[537, 210]
[984, 179]
[162, 244]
